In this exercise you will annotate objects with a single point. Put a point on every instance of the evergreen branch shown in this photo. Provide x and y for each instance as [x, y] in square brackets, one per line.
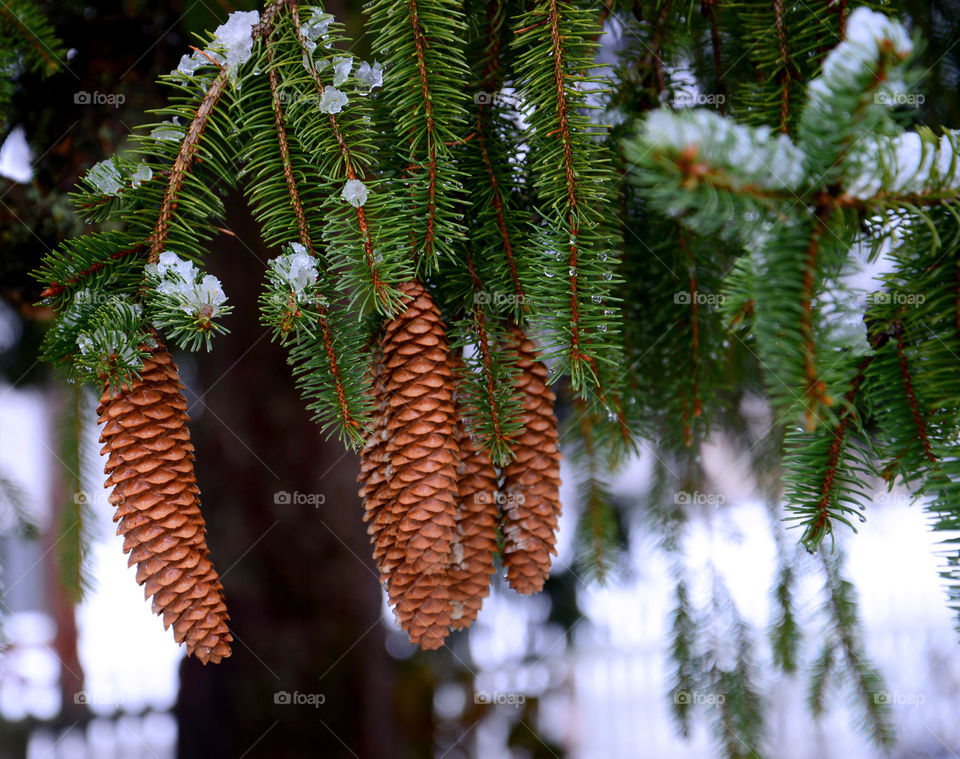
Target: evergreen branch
[563, 131]
[815, 389]
[597, 531]
[836, 481]
[422, 41]
[431, 137]
[499, 443]
[568, 173]
[868, 685]
[711, 17]
[786, 66]
[74, 517]
[385, 297]
[694, 343]
[284, 146]
[55, 289]
[36, 31]
[785, 631]
[919, 421]
[181, 165]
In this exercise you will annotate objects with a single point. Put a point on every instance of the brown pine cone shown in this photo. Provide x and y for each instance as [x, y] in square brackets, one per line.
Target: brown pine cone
[531, 488]
[374, 468]
[150, 464]
[475, 543]
[415, 526]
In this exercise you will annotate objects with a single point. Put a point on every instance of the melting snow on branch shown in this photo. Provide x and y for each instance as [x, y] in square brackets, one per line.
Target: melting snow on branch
[369, 76]
[178, 279]
[870, 37]
[341, 69]
[143, 173]
[747, 154]
[905, 165]
[235, 38]
[173, 132]
[106, 177]
[315, 27]
[297, 270]
[190, 63]
[332, 100]
[354, 192]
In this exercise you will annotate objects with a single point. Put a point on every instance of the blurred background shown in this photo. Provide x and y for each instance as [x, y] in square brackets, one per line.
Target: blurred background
[319, 669]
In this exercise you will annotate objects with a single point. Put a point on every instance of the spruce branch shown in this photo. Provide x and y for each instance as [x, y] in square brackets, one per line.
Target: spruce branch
[422, 43]
[825, 470]
[844, 628]
[568, 171]
[181, 166]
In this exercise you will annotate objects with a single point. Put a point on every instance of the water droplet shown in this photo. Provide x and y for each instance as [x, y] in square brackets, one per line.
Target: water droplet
[559, 256]
[548, 272]
[608, 275]
[378, 258]
[608, 312]
[612, 416]
[602, 255]
[256, 71]
[597, 299]
[601, 328]
[573, 271]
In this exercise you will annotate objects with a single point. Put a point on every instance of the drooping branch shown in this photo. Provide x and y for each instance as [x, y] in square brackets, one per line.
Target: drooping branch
[182, 163]
[379, 287]
[491, 83]
[815, 390]
[304, 232]
[919, 421]
[820, 526]
[431, 137]
[563, 132]
[284, 145]
[486, 361]
[710, 14]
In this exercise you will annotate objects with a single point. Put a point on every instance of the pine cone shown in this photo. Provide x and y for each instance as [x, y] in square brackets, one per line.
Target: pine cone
[531, 489]
[151, 466]
[418, 518]
[476, 539]
[374, 470]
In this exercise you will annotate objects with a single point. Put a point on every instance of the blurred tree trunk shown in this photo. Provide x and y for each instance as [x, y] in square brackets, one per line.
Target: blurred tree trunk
[302, 593]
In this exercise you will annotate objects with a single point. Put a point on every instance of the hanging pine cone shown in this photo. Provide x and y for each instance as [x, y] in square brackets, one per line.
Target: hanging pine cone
[531, 488]
[150, 464]
[475, 542]
[374, 468]
[418, 517]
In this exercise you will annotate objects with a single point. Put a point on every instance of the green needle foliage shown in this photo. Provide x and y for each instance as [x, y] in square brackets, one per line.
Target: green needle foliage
[685, 270]
[28, 43]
